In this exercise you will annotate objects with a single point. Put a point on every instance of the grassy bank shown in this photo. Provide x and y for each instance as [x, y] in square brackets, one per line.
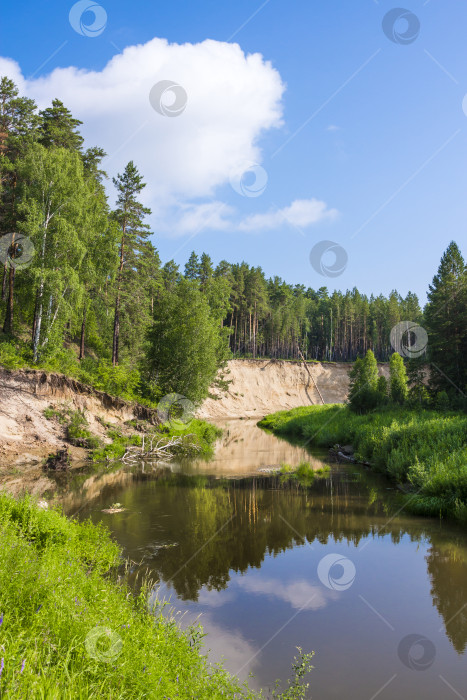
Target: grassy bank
[69, 628]
[426, 450]
[69, 631]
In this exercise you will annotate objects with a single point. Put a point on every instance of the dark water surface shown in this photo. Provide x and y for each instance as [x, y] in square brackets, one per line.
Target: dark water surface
[379, 595]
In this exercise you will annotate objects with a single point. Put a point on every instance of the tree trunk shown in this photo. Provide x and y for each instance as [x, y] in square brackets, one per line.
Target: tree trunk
[38, 322]
[83, 331]
[4, 282]
[116, 333]
[8, 324]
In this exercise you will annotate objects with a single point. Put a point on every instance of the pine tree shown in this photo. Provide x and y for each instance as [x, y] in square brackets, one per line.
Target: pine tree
[446, 323]
[416, 375]
[129, 216]
[58, 128]
[18, 122]
[192, 267]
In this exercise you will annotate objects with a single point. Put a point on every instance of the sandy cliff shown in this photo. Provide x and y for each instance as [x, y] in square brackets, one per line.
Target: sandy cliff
[263, 386]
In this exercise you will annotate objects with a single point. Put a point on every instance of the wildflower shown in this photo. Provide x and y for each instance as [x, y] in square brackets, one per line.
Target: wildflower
[40, 606]
[1, 619]
[2, 664]
[23, 665]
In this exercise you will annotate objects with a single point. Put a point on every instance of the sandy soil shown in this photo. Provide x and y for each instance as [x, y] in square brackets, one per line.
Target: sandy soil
[260, 387]
[27, 437]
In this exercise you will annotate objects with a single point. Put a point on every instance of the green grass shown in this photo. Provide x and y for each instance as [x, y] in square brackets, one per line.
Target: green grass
[70, 630]
[303, 474]
[77, 431]
[123, 380]
[424, 449]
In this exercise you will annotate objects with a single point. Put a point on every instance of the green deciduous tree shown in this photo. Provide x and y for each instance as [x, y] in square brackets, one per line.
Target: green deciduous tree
[398, 389]
[363, 392]
[186, 346]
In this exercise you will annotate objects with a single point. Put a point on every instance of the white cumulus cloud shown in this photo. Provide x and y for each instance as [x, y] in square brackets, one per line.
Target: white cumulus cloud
[233, 98]
[301, 213]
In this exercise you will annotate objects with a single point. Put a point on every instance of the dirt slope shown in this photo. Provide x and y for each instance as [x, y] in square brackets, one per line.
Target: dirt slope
[26, 436]
[260, 387]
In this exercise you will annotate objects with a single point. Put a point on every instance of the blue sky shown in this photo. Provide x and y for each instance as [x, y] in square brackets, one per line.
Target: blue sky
[372, 129]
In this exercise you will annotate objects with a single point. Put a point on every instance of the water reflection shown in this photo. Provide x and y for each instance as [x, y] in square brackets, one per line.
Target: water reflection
[244, 552]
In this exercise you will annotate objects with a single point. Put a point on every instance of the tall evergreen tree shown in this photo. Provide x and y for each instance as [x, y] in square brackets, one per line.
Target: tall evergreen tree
[192, 267]
[59, 128]
[18, 122]
[129, 215]
[446, 323]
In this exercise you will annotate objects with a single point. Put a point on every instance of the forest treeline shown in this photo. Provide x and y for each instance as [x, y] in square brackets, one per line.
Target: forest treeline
[84, 290]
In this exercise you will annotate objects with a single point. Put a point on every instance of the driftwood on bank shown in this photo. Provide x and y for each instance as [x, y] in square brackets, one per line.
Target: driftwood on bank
[162, 450]
[339, 454]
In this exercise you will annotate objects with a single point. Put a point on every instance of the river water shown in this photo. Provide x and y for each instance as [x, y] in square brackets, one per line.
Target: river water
[267, 566]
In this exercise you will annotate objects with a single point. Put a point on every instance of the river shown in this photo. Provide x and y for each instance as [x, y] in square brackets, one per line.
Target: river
[266, 566]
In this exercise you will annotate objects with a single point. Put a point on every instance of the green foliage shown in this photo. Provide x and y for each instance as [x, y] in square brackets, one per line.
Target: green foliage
[64, 596]
[116, 449]
[363, 392]
[446, 323]
[382, 388]
[78, 433]
[442, 401]
[425, 449]
[10, 357]
[398, 379]
[198, 439]
[186, 344]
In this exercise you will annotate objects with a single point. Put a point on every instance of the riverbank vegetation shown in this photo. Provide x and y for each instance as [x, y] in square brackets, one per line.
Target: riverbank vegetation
[70, 628]
[186, 438]
[424, 450]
